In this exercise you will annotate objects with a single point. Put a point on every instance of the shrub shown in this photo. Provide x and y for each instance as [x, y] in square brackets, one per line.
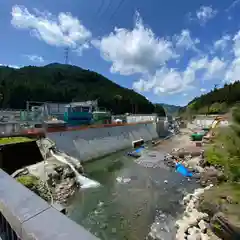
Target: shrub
[225, 151]
[28, 181]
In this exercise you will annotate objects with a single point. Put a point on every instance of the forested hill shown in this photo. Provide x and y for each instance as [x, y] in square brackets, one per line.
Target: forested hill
[65, 83]
[219, 100]
[171, 109]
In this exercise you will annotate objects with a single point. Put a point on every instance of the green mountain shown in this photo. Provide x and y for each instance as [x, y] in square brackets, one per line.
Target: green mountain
[170, 109]
[219, 100]
[65, 83]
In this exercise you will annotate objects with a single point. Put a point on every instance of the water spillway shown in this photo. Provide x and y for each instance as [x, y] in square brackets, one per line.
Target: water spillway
[83, 181]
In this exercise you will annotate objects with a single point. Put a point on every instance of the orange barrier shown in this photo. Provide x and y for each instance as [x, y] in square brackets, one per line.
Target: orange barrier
[35, 132]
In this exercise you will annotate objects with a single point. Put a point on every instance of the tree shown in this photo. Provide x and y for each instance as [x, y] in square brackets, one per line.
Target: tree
[66, 83]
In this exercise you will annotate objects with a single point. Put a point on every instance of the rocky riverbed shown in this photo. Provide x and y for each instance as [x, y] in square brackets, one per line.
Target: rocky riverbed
[194, 224]
[58, 185]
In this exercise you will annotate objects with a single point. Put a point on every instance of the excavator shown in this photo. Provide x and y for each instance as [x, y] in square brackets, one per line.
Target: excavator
[208, 132]
[214, 124]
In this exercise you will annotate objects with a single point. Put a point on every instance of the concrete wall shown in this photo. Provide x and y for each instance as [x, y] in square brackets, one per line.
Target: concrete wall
[206, 121]
[32, 218]
[141, 118]
[9, 127]
[93, 143]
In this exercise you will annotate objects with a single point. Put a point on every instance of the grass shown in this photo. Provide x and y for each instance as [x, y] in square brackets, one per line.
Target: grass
[9, 140]
[225, 198]
[28, 181]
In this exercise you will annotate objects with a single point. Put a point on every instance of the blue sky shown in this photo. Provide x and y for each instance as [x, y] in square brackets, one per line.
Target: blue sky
[170, 51]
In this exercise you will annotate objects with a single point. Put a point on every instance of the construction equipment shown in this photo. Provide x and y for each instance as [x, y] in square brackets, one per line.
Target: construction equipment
[214, 124]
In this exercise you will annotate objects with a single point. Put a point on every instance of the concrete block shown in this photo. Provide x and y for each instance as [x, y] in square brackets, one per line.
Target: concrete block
[53, 225]
[17, 203]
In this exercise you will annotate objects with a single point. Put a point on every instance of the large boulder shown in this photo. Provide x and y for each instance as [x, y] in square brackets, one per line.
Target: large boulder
[224, 228]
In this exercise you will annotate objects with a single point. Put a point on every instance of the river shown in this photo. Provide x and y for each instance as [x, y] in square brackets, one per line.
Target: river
[130, 199]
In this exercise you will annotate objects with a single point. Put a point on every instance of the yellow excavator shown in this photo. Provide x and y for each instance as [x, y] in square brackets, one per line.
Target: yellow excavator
[214, 124]
[207, 133]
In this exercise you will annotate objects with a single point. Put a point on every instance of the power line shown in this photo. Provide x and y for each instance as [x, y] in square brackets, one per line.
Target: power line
[109, 5]
[100, 8]
[120, 4]
[116, 10]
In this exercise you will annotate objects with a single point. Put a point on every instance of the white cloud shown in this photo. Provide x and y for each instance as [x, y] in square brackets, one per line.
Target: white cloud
[63, 31]
[172, 81]
[205, 13]
[215, 69]
[222, 43]
[140, 51]
[166, 80]
[233, 71]
[184, 40]
[35, 58]
[185, 94]
[232, 5]
[135, 51]
[9, 65]
[203, 90]
[236, 45]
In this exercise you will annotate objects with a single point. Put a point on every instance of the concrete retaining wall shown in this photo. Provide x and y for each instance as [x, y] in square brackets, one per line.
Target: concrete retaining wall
[93, 143]
[30, 217]
[141, 118]
[207, 121]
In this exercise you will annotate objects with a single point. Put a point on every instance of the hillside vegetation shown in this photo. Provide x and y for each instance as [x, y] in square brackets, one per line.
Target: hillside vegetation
[170, 109]
[216, 101]
[65, 83]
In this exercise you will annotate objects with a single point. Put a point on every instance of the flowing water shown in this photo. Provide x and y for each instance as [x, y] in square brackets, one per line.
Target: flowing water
[83, 181]
[132, 200]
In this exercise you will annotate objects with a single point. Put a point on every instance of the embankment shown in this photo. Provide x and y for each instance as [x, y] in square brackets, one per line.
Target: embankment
[98, 141]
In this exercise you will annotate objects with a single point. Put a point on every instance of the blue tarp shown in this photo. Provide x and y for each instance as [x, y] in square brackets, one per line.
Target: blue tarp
[136, 152]
[182, 170]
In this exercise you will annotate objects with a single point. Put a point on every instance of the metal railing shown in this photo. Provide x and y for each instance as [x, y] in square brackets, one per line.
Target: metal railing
[6, 232]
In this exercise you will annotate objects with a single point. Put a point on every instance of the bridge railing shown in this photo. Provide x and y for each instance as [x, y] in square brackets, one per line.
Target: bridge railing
[26, 216]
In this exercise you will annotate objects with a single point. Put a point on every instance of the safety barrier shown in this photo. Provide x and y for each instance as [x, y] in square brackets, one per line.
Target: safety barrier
[25, 216]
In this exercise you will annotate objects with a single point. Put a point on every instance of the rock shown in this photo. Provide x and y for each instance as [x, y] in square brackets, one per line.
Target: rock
[80, 169]
[187, 198]
[199, 169]
[194, 162]
[203, 226]
[224, 228]
[68, 173]
[181, 235]
[193, 230]
[195, 236]
[54, 175]
[212, 175]
[204, 236]
[59, 169]
[182, 225]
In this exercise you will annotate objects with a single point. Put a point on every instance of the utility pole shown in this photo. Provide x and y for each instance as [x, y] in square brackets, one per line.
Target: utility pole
[66, 55]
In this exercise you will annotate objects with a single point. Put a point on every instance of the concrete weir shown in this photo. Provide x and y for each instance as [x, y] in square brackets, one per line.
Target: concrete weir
[95, 142]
